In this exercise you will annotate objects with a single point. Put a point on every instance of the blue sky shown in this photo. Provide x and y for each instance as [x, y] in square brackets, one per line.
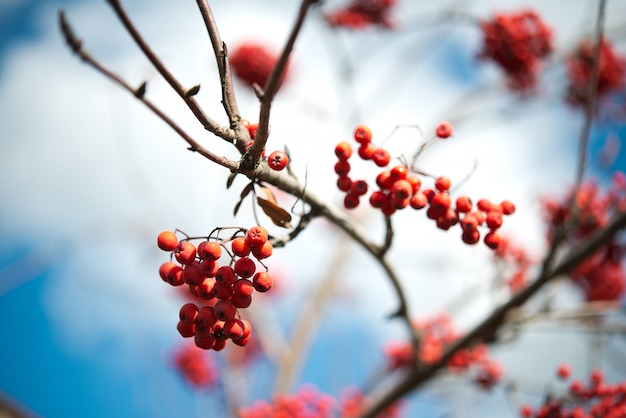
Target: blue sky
[90, 178]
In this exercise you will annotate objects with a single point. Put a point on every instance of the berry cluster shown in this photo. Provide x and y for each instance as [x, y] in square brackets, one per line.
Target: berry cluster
[399, 188]
[611, 71]
[198, 369]
[253, 63]
[517, 42]
[597, 398]
[277, 160]
[436, 334]
[226, 288]
[361, 14]
[601, 276]
[308, 402]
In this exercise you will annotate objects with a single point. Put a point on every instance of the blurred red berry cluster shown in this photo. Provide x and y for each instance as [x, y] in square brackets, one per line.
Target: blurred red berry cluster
[600, 276]
[253, 63]
[517, 42]
[611, 71]
[198, 368]
[361, 14]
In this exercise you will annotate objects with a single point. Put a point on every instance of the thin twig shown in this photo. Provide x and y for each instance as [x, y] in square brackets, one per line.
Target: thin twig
[208, 123]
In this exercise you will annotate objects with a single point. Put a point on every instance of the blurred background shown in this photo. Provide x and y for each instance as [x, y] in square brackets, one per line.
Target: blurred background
[90, 177]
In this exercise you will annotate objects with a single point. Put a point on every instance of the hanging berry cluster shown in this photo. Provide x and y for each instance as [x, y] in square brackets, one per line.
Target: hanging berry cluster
[517, 42]
[399, 188]
[361, 14]
[225, 286]
[198, 369]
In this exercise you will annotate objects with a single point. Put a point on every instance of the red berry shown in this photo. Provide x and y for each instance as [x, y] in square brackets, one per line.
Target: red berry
[209, 250]
[399, 172]
[564, 371]
[243, 287]
[234, 329]
[508, 208]
[366, 151]
[383, 180]
[185, 252]
[344, 183]
[222, 291]
[440, 202]
[241, 301]
[343, 151]
[205, 289]
[208, 268]
[240, 247]
[245, 267]
[188, 313]
[186, 330]
[484, 205]
[400, 190]
[442, 184]
[419, 201]
[171, 273]
[191, 274]
[378, 199]
[526, 411]
[363, 134]
[351, 201]
[262, 282]
[256, 236]
[492, 240]
[205, 319]
[471, 236]
[494, 219]
[358, 187]
[224, 310]
[463, 204]
[277, 160]
[342, 168]
[415, 181]
[263, 252]
[167, 241]
[444, 130]
[381, 157]
[225, 275]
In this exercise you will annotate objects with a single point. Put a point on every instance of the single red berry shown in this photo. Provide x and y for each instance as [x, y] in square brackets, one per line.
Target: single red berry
[366, 151]
[256, 236]
[241, 301]
[222, 291]
[224, 310]
[378, 199]
[209, 250]
[186, 330]
[191, 274]
[358, 187]
[442, 184]
[277, 160]
[351, 201]
[243, 287]
[344, 183]
[508, 208]
[245, 267]
[342, 168]
[526, 411]
[167, 241]
[471, 236]
[208, 268]
[171, 273]
[262, 281]
[205, 319]
[444, 130]
[494, 219]
[383, 180]
[419, 201]
[205, 289]
[484, 205]
[188, 313]
[243, 341]
[415, 181]
[343, 151]
[264, 251]
[185, 252]
[234, 329]
[492, 240]
[225, 275]
[240, 247]
[564, 371]
[463, 204]
[381, 157]
[401, 189]
[441, 202]
[363, 134]
[219, 344]
[398, 172]
[469, 223]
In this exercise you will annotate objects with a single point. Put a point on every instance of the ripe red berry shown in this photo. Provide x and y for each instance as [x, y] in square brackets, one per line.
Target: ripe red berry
[383, 180]
[366, 151]
[343, 151]
[234, 329]
[241, 301]
[471, 236]
[171, 273]
[222, 291]
[508, 208]
[444, 130]
[342, 168]
[264, 251]
[204, 341]
[225, 275]
[463, 204]
[277, 160]
[362, 134]
[185, 252]
[243, 287]
[208, 268]
[415, 181]
[262, 281]
[564, 371]
[419, 201]
[344, 183]
[191, 274]
[442, 184]
[209, 250]
[224, 310]
[245, 267]
[188, 313]
[205, 319]
[167, 241]
[381, 157]
[256, 236]
[400, 190]
[398, 172]
[358, 187]
[492, 240]
[351, 201]
[378, 199]
[484, 205]
[440, 202]
[240, 247]
[186, 330]
[494, 219]
[205, 289]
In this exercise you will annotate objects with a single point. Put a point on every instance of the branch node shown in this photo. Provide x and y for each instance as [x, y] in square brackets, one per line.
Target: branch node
[141, 90]
[192, 91]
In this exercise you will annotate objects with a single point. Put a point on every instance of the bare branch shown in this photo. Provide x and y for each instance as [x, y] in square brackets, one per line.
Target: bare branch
[208, 123]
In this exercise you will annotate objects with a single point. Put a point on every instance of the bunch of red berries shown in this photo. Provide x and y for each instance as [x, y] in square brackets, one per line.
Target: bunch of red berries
[437, 333]
[225, 287]
[197, 369]
[361, 14]
[253, 63]
[611, 71]
[399, 188]
[277, 160]
[597, 398]
[517, 42]
[601, 276]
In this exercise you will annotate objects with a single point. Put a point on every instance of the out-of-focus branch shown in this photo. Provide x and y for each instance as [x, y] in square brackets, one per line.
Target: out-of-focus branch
[486, 331]
[139, 93]
[186, 94]
[251, 158]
